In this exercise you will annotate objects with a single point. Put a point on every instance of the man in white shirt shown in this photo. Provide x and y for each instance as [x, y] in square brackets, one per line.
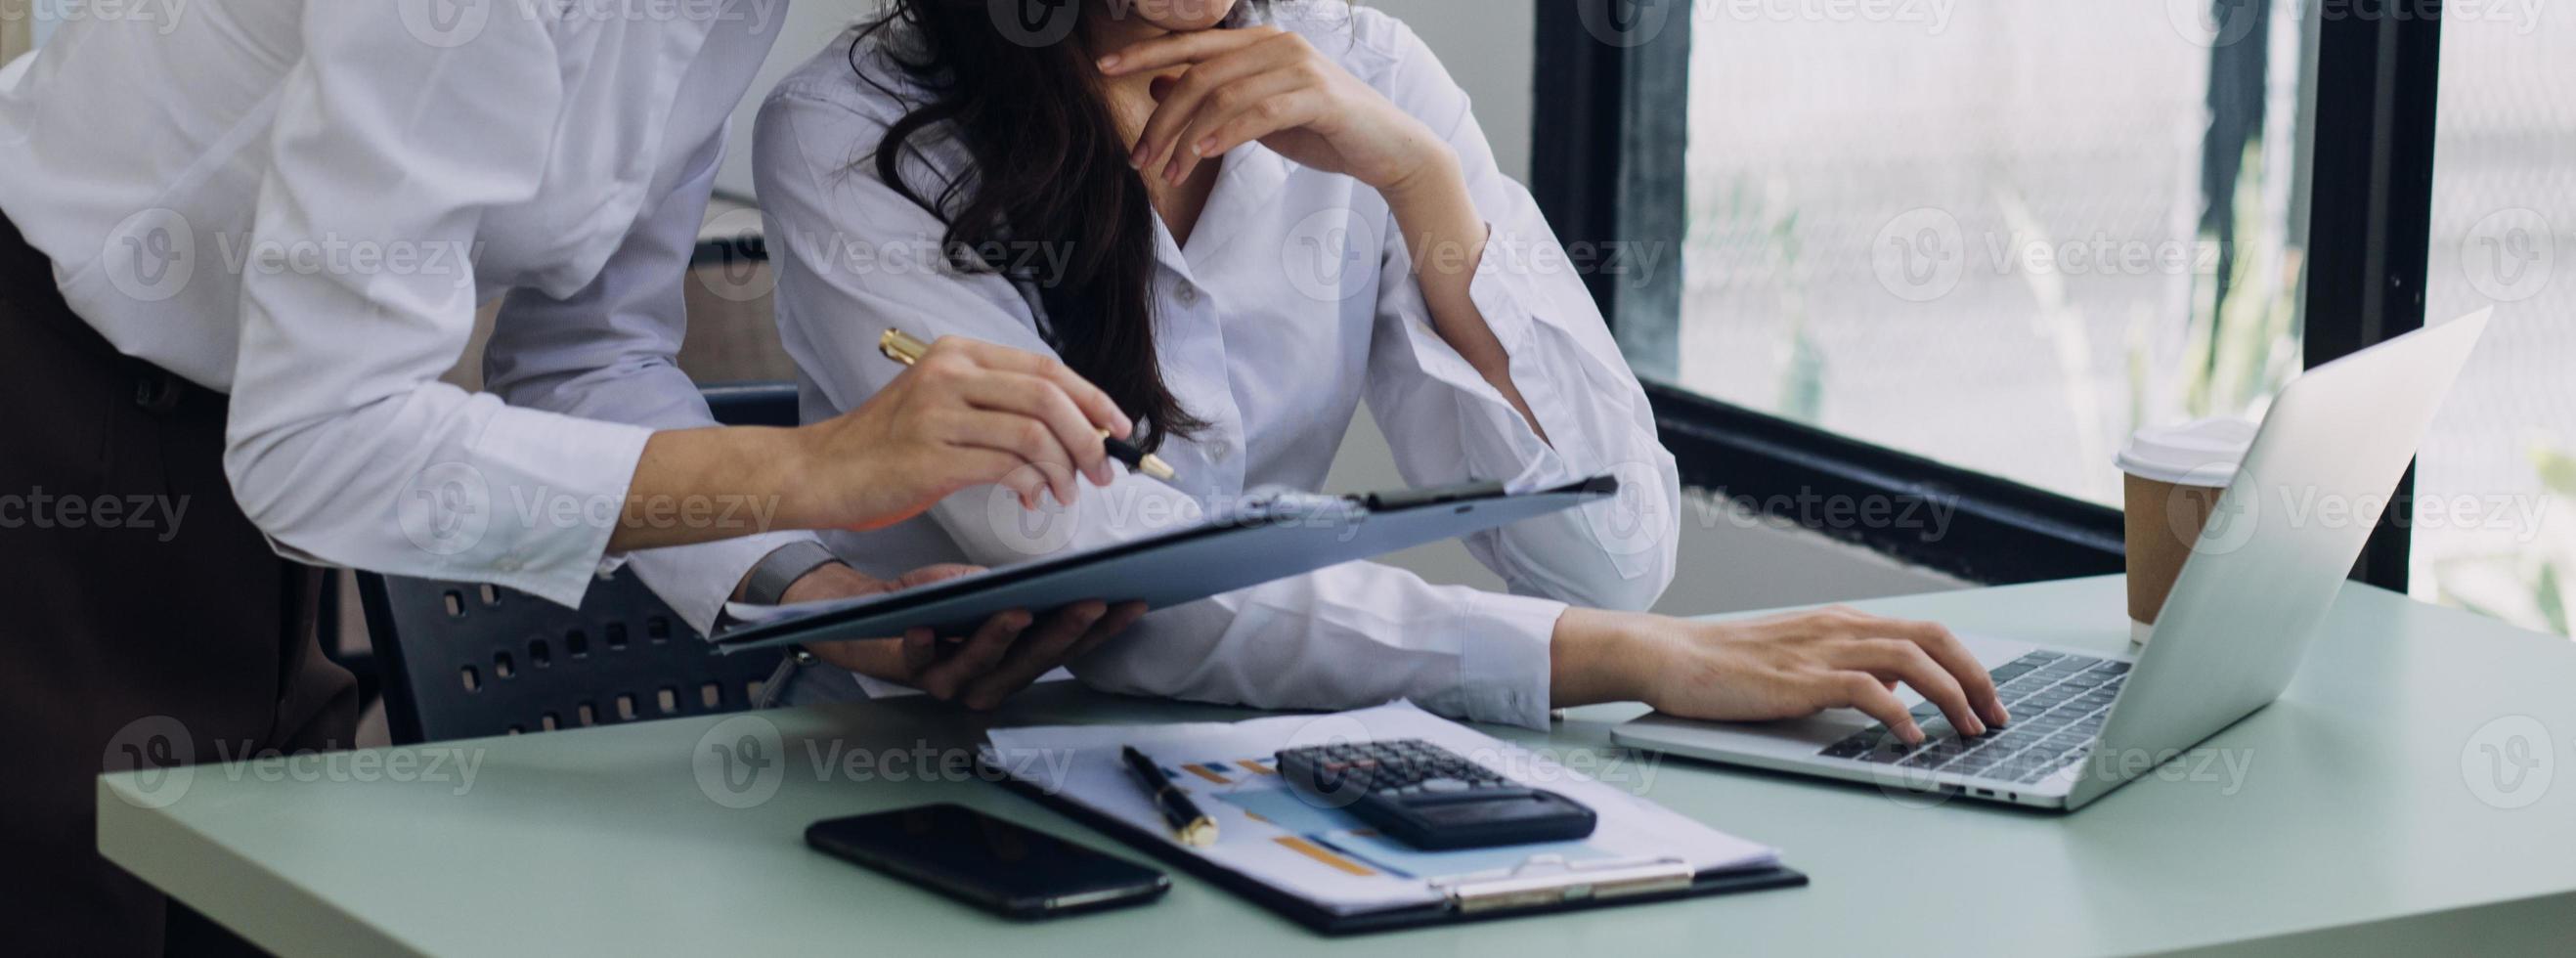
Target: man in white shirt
[242, 247]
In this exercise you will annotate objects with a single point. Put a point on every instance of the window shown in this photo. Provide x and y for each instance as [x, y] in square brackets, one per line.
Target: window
[1959, 251]
[1998, 239]
[2493, 530]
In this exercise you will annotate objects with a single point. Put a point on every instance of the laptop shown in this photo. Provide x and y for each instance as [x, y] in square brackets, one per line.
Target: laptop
[2249, 601]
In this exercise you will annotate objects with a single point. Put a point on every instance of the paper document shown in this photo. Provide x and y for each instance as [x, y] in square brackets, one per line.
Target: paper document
[1322, 854]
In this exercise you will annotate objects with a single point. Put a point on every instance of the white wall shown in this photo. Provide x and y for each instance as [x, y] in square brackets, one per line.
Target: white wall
[1728, 561]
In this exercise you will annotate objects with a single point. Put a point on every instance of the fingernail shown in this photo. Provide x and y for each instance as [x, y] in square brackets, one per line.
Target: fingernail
[1975, 728]
[1911, 733]
[1203, 147]
[2002, 717]
[1109, 62]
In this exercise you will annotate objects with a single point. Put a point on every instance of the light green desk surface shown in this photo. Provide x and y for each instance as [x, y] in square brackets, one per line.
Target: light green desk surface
[2355, 826]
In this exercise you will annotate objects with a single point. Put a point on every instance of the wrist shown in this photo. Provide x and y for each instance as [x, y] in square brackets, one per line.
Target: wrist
[1597, 656]
[1434, 172]
[794, 457]
[830, 581]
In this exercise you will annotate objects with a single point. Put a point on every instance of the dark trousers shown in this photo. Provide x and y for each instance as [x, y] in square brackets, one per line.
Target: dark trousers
[143, 620]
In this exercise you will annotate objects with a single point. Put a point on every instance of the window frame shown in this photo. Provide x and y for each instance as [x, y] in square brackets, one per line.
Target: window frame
[1601, 150]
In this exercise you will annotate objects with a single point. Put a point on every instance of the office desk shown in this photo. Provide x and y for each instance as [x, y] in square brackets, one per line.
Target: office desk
[2355, 825]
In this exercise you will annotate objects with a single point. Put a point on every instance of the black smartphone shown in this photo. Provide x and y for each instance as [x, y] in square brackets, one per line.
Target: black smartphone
[985, 861]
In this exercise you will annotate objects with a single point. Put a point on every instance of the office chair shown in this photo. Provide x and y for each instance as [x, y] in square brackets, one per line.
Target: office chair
[463, 660]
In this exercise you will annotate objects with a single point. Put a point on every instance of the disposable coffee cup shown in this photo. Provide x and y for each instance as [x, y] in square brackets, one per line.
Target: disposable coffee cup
[2174, 475]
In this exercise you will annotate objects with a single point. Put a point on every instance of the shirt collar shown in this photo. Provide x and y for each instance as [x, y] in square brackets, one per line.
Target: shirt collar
[1252, 180]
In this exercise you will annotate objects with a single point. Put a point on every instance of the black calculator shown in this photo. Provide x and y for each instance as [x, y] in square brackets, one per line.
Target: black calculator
[1430, 797]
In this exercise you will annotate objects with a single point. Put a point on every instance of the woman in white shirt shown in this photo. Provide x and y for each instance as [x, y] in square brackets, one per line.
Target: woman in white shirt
[242, 247]
[1241, 220]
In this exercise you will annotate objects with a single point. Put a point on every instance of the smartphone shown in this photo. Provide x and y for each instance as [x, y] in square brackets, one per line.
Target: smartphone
[988, 862]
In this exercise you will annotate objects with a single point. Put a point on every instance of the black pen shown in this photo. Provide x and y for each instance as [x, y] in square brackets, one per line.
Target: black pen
[902, 347]
[1191, 826]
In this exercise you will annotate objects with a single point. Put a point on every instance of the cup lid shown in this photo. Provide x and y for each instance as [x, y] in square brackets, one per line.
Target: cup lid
[2203, 452]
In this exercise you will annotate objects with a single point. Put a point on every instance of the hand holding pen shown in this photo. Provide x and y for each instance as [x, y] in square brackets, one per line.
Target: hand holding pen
[969, 413]
[903, 348]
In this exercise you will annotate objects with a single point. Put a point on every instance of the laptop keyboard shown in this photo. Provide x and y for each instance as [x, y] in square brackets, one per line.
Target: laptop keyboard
[2058, 702]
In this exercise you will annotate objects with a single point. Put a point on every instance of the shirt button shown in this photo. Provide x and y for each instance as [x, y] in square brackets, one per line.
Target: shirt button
[1220, 452]
[1186, 293]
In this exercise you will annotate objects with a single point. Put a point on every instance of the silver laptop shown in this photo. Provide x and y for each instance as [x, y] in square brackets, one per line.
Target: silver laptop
[2249, 601]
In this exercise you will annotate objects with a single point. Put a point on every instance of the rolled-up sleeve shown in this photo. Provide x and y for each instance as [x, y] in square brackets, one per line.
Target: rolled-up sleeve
[1447, 424]
[611, 352]
[343, 446]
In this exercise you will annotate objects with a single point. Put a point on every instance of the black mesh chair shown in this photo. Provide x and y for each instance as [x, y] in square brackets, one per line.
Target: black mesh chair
[461, 660]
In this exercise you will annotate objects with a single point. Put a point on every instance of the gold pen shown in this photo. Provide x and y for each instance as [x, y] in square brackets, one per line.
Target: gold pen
[1189, 825]
[901, 347]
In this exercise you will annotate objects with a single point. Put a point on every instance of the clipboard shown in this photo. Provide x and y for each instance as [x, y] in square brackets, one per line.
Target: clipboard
[1265, 541]
[1529, 891]
[1329, 871]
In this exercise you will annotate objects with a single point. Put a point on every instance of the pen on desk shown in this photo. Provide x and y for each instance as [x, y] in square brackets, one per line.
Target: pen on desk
[901, 347]
[1191, 826]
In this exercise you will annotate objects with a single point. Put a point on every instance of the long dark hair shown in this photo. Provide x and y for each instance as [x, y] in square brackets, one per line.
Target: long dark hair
[1050, 168]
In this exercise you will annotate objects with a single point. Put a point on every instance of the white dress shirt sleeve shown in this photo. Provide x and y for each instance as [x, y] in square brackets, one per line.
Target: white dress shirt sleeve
[851, 259]
[343, 447]
[610, 352]
[1448, 425]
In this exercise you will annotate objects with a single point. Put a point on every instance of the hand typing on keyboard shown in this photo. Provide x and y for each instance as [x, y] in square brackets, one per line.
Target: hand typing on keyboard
[1779, 667]
[2063, 699]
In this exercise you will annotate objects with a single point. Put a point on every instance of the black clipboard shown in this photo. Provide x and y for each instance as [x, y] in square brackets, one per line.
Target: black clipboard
[1325, 922]
[1257, 545]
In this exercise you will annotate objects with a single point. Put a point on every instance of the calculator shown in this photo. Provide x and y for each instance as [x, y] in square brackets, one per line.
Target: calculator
[1430, 797]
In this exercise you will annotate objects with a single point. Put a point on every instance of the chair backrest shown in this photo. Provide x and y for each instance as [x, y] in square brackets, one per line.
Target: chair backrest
[462, 660]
